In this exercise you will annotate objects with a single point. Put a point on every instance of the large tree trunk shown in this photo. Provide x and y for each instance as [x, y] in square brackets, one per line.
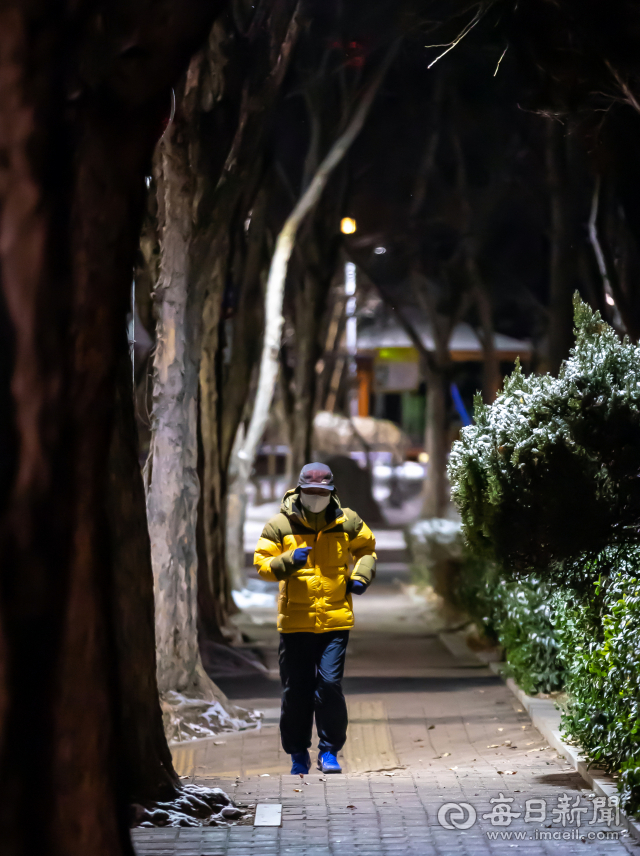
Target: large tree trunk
[173, 489]
[78, 119]
[148, 770]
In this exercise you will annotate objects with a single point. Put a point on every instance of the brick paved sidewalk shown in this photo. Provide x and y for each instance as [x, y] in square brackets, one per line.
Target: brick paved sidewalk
[441, 741]
[426, 729]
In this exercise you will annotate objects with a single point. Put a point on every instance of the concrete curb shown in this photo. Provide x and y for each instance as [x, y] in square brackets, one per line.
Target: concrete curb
[546, 718]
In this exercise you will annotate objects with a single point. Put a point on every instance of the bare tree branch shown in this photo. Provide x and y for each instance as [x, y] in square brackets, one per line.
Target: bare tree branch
[280, 261]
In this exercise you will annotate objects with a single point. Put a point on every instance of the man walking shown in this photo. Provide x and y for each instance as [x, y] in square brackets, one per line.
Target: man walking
[308, 548]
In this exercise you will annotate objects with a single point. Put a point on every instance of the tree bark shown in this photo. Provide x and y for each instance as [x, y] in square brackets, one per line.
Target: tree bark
[79, 116]
[173, 489]
[148, 769]
[215, 603]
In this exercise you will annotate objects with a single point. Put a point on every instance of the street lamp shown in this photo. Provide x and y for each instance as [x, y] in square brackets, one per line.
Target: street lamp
[347, 225]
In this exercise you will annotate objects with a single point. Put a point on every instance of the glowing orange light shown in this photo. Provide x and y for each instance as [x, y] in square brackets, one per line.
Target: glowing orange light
[347, 225]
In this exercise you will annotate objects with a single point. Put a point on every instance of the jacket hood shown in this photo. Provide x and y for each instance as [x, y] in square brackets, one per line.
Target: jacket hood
[292, 507]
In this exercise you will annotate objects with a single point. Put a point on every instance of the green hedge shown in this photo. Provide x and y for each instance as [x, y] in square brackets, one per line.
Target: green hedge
[599, 643]
[547, 481]
[523, 622]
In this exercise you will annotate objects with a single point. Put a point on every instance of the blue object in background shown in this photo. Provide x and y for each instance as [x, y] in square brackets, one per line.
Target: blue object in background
[459, 405]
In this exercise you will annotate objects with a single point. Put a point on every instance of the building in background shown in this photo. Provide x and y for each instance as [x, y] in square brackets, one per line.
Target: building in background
[388, 368]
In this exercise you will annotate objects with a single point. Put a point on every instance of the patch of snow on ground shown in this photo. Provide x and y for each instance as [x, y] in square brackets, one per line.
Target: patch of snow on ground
[193, 806]
[189, 718]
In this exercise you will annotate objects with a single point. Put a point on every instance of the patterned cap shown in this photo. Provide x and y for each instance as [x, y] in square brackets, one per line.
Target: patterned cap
[316, 475]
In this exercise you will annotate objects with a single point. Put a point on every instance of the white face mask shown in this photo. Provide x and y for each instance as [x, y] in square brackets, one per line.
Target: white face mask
[314, 501]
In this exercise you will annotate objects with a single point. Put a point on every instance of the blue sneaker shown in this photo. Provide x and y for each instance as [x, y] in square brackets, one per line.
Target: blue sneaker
[301, 763]
[328, 763]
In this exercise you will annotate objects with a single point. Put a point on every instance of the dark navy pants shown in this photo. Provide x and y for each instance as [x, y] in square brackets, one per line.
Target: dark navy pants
[311, 669]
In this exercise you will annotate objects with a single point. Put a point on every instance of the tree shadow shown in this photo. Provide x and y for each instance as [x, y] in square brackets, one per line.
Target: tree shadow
[563, 780]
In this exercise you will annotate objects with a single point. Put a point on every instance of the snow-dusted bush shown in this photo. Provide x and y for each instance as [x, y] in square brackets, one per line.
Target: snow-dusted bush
[548, 476]
[548, 482]
[598, 633]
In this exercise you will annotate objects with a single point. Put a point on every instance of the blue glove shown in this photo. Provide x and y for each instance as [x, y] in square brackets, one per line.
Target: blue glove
[356, 587]
[300, 555]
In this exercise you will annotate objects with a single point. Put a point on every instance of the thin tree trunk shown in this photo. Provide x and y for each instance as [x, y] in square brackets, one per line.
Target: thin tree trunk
[560, 331]
[611, 282]
[491, 375]
[214, 584]
[269, 364]
[236, 514]
[309, 315]
[435, 496]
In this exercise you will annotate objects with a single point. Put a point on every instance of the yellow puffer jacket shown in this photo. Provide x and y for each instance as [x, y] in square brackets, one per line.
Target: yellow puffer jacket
[314, 599]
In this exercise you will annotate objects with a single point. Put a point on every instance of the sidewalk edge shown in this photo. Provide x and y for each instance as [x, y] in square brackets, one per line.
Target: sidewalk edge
[546, 718]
